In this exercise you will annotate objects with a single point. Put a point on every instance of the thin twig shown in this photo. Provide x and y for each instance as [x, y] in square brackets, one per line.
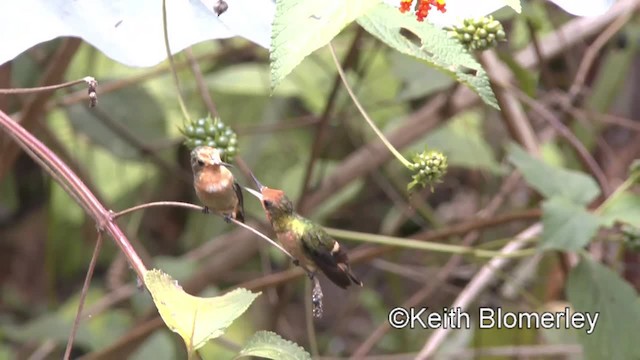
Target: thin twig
[16, 91]
[200, 208]
[353, 96]
[593, 52]
[515, 118]
[165, 29]
[200, 83]
[83, 295]
[583, 154]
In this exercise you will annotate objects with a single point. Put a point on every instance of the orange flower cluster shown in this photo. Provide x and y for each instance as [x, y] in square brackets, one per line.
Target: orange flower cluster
[423, 7]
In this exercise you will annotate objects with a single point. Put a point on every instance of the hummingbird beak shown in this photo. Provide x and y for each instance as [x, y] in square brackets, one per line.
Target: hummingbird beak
[255, 180]
[254, 193]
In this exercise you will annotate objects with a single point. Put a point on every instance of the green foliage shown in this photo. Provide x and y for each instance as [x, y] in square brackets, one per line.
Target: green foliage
[300, 27]
[567, 226]
[426, 42]
[594, 288]
[197, 320]
[554, 182]
[212, 132]
[267, 344]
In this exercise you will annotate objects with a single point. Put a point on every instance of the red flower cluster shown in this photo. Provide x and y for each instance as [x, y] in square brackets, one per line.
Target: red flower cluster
[423, 7]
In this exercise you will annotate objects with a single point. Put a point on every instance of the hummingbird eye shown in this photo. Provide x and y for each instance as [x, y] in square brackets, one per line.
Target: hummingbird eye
[267, 203]
[200, 162]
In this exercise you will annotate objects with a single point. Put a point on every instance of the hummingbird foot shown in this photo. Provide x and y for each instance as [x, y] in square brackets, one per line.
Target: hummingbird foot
[296, 262]
[205, 210]
[227, 218]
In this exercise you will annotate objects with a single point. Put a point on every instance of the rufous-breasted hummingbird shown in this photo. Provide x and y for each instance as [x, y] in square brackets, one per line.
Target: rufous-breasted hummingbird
[215, 185]
[307, 241]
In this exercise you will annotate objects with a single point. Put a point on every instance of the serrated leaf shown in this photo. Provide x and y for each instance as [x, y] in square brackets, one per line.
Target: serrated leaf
[567, 226]
[551, 181]
[435, 47]
[594, 288]
[197, 320]
[624, 208]
[267, 344]
[300, 27]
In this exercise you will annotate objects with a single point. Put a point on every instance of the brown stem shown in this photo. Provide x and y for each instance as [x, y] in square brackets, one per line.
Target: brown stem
[83, 295]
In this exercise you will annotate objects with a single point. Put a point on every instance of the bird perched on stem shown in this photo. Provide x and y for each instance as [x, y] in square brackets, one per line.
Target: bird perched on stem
[215, 185]
[307, 241]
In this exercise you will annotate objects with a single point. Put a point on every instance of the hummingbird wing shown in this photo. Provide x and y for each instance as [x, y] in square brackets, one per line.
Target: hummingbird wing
[327, 254]
[239, 215]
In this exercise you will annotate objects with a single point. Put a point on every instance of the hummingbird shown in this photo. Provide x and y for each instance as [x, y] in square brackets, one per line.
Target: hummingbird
[307, 241]
[215, 185]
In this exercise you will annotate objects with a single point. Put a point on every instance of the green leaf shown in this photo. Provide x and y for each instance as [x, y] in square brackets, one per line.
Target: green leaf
[552, 181]
[432, 44]
[301, 26]
[267, 344]
[197, 320]
[567, 226]
[624, 208]
[596, 289]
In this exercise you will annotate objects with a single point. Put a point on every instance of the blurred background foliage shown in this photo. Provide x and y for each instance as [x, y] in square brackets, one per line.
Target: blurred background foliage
[129, 151]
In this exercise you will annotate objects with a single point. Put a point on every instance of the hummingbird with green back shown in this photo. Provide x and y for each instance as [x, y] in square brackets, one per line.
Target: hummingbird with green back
[215, 185]
[305, 240]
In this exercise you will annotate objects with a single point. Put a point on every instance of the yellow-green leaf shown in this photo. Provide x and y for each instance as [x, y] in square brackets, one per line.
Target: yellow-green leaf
[267, 344]
[197, 320]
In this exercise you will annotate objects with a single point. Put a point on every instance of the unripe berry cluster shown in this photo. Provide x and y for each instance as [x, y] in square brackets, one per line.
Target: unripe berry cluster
[479, 34]
[428, 168]
[212, 132]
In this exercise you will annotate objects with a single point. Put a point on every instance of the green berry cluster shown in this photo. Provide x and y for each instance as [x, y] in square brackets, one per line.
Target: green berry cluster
[478, 34]
[212, 132]
[428, 168]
